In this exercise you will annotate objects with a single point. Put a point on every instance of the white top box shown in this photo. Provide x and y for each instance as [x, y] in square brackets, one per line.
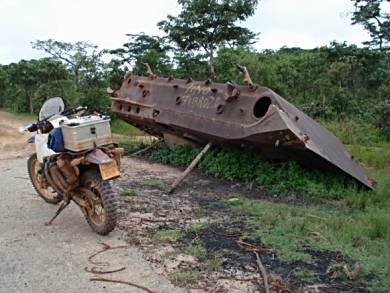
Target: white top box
[86, 132]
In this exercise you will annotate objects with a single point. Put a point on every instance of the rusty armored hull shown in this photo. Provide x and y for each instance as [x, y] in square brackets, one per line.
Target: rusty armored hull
[202, 112]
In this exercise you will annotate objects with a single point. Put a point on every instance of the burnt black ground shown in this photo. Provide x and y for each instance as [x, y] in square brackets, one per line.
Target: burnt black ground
[197, 200]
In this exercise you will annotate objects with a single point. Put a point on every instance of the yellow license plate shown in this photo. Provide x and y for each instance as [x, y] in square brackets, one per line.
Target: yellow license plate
[109, 170]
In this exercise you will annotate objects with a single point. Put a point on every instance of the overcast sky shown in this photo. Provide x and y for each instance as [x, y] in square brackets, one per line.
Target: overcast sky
[293, 23]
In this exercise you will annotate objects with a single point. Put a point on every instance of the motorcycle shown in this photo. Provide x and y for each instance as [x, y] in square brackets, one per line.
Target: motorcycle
[74, 160]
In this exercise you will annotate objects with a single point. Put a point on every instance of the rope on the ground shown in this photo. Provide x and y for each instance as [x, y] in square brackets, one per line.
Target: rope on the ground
[94, 270]
[99, 279]
[106, 247]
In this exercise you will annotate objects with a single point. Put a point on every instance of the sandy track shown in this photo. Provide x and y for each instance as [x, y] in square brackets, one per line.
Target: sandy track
[12, 143]
[37, 258]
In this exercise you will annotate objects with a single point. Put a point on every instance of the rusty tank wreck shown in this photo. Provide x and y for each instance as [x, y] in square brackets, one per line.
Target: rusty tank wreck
[204, 112]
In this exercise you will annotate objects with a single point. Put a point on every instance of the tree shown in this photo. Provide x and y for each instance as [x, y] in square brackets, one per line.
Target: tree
[209, 24]
[191, 65]
[79, 56]
[3, 80]
[142, 48]
[114, 71]
[89, 76]
[22, 79]
[369, 14]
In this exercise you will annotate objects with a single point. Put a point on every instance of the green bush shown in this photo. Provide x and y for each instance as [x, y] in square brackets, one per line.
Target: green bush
[249, 167]
[355, 132]
[123, 128]
[130, 146]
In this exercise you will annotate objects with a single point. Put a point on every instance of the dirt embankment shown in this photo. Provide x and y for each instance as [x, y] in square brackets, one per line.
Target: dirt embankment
[13, 144]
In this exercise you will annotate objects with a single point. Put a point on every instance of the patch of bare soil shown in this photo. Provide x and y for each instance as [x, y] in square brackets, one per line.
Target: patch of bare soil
[198, 242]
[12, 143]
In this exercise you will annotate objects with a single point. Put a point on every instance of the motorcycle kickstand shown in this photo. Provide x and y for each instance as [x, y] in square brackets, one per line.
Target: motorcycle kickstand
[61, 208]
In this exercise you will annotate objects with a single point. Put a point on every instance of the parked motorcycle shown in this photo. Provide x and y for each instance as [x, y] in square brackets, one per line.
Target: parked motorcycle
[74, 161]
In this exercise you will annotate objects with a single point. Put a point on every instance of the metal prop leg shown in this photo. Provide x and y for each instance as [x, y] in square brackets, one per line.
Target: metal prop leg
[62, 207]
[189, 168]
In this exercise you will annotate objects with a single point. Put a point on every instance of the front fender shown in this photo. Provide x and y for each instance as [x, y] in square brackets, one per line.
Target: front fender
[98, 157]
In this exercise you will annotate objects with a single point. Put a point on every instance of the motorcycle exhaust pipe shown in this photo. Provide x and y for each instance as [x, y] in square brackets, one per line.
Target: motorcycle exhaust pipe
[67, 172]
[58, 178]
[50, 179]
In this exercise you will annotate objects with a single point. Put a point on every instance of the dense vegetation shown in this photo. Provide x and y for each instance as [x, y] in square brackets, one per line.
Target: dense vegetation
[335, 82]
[279, 178]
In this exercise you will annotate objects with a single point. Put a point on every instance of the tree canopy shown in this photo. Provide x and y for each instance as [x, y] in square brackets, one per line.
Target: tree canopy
[78, 56]
[142, 48]
[370, 15]
[209, 24]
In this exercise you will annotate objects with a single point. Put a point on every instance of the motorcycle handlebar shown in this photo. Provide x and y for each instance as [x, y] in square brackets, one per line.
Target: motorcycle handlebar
[73, 111]
[30, 128]
[35, 126]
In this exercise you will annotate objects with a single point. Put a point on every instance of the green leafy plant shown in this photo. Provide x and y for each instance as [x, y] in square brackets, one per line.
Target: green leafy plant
[129, 192]
[166, 236]
[155, 182]
[248, 166]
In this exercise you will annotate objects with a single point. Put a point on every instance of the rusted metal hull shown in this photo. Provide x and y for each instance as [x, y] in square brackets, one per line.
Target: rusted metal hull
[201, 112]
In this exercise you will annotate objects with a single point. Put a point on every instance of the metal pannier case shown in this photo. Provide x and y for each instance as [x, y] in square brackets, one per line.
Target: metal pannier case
[85, 133]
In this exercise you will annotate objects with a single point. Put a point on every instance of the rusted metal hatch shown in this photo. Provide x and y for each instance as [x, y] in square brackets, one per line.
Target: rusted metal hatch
[203, 112]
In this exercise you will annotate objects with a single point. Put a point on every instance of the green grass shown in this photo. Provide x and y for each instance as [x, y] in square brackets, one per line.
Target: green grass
[184, 278]
[250, 167]
[196, 249]
[355, 132]
[130, 146]
[166, 236]
[121, 127]
[305, 275]
[371, 156]
[382, 188]
[129, 192]
[213, 264]
[197, 228]
[155, 183]
[362, 236]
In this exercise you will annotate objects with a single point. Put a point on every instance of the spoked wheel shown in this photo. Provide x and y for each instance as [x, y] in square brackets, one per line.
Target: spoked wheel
[39, 183]
[102, 204]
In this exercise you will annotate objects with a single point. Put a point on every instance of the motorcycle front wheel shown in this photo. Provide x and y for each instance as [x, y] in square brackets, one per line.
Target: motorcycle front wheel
[43, 190]
[102, 202]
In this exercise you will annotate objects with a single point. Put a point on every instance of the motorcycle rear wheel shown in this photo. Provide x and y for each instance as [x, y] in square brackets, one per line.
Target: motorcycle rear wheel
[101, 213]
[33, 166]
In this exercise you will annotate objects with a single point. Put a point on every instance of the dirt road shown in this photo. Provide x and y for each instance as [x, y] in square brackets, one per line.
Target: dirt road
[12, 143]
[37, 258]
